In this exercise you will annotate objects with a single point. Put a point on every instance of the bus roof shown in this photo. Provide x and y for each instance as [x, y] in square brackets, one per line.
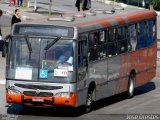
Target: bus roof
[99, 21]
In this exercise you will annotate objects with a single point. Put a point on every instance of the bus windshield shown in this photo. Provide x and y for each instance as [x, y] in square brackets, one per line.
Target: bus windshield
[54, 64]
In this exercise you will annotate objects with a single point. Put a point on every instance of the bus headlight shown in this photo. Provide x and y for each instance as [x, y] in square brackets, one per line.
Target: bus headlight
[64, 94]
[13, 91]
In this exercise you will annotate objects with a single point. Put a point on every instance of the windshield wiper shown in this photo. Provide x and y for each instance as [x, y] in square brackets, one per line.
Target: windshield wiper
[52, 43]
[28, 44]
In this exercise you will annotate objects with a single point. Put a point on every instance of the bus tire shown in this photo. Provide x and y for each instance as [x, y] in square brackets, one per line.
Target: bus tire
[26, 108]
[89, 101]
[131, 85]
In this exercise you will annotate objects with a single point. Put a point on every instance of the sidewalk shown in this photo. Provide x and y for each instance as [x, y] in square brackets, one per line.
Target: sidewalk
[59, 7]
[26, 13]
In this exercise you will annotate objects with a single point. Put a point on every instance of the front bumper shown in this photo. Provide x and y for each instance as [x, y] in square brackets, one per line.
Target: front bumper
[41, 101]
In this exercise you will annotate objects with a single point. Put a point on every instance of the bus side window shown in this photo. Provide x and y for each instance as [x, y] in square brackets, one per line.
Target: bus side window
[93, 41]
[132, 41]
[82, 51]
[112, 42]
[122, 39]
[102, 46]
[101, 39]
[121, 34]
[154, 30]
[141, 43]
[151, 32]
[146, 32]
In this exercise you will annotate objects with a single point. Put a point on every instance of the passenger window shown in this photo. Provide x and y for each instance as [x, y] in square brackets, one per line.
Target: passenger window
[112, 35]
[121, 33]
[106, 36]
[82, 51]
[112, 42]
[93, 40]
[151, 31]
[102, 46]
[122, 46]
[132, 41]
[102, 51]
[101, 37]
[154, 30]
[141, 43]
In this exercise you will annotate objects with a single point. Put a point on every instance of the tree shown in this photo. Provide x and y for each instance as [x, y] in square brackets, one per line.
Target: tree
[156, 4]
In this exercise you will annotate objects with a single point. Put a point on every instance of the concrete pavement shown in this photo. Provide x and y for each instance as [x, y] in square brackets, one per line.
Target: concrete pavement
[58, 7]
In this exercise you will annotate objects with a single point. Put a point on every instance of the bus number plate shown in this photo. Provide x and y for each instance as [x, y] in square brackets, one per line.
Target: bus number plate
[37, 100]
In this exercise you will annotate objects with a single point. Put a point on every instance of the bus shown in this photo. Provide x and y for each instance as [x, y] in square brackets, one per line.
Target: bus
[75, 60]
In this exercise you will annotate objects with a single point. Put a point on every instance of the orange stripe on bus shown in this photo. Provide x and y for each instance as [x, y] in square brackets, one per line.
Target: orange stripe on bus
[58, 101]
[134, 17]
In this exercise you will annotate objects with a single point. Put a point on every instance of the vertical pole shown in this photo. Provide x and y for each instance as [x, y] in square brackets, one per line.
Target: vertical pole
[127, 2]
[25, 3]
[143, 3]
[150, 5]
[114, 4]
[50, 6]
[35, 5]
[28, 4]
[138, 3]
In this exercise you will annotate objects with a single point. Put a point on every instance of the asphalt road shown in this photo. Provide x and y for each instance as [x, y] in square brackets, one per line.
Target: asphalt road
[145, 101]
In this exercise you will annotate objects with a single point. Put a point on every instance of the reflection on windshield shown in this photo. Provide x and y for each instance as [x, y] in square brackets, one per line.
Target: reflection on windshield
[52, 43]
[55, 64]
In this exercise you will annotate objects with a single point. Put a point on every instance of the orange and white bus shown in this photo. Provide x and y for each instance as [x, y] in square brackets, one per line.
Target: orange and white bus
[76, 60]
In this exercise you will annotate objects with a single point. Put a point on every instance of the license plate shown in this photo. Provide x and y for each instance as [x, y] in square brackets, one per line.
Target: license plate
[37, 99]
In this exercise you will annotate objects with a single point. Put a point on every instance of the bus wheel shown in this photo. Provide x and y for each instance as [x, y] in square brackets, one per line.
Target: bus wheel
[26, 108]
[89, 102]
[131, 86]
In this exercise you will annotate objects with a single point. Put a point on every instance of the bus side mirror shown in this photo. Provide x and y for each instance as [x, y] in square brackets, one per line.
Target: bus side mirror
[5, 45]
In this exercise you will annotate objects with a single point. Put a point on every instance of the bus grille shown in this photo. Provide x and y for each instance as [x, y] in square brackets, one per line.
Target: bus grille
[40, 87]
[40, 94]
